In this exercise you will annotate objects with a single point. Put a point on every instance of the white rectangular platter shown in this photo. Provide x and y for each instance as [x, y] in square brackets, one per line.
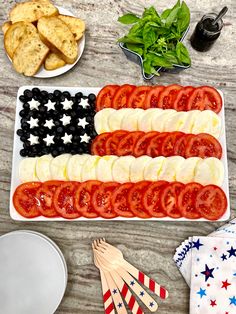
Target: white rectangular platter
[17, 145]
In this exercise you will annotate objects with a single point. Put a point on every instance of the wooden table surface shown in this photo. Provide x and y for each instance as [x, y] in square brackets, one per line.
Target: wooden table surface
[148, 245]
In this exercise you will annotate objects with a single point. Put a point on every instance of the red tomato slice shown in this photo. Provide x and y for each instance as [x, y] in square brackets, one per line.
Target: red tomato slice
[151, 199]
[135, 199]
[64, 200]
[122, 95]
[169, 199]
[142, 144]
[181, 101]
[138, 97]
[113, 141]
[105, 97]
[203, 145]
[168, 144]
[152, 98]
[101, 199]
[83, 198]
[181, 144]
[127, 144]
[120, 202]
[99, 144]
[168, 96]
[25, 200]
[205, 98]
[211, 202]
[155, 144]
[45, 195]
[187, 200]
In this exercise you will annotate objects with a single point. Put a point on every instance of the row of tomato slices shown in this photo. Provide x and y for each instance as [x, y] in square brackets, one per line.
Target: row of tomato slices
[145, 199]
[173, 96]
[153, 144]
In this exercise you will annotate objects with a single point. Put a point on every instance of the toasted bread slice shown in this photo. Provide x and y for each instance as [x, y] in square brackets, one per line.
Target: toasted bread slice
[29, 55]
[5, 27]
[77, 26]
[53, 62]
[31, 11]
[14, 35]
[58, 37]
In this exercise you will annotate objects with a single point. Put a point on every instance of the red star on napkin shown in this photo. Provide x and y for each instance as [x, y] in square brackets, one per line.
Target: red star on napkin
[225, 284]
[213, 303]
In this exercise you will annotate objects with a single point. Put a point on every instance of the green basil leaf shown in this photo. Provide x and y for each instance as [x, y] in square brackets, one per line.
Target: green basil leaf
[135, 48]
[149, 35]
[128, 18]
[173, 15]
[171, 56]
[150, 11]
[157, 60]
[182, 54]
[183, 18]
[131, 40]
[165, 14]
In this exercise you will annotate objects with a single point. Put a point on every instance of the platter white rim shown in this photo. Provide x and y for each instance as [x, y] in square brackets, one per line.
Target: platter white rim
[58, 254]
[43, 73]
[87, 90]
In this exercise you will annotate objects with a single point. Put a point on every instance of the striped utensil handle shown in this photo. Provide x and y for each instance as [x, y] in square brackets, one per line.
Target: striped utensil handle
[107, 298]
[145, 280]
[126, 294]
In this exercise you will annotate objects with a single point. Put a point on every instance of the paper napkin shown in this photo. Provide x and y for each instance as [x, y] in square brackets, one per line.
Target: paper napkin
[213, 276]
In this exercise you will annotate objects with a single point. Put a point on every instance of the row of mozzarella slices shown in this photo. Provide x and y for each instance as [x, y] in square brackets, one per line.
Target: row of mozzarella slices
[122, 169]
[180, 98]
[92, 199]
[154, 144]
[168, 120]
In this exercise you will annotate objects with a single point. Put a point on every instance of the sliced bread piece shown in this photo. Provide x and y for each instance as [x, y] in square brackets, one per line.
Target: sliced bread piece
[15, 33]
[31, 11]
[53, 62]
[77, 26]
[58, 37]
[29, 55]
[5, 27]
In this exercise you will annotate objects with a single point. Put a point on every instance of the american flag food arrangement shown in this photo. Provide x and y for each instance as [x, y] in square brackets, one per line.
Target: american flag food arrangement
[120, 152]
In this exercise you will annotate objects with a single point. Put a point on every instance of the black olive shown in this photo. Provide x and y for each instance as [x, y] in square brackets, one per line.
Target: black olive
[62, 98]
[57, 123]
[60, 130]
[76, 138]
[54, 153]
[61, 149]
[44, 94]
[23, 152]
[73, 114]
[89, 119]
[22, 98]
[68, 148]
[51, 97]
[66, 94]
[36, 91]
[78, 95]
[22, 113]
[28, 94]
[45, 151]
[26, 106]
[42, 109]
[71, 129]
[23, 138]
[20, 132]
[91, 97]
[57, 93]
[73, 151]
[26, 145]
[31, 154]
[25, 126]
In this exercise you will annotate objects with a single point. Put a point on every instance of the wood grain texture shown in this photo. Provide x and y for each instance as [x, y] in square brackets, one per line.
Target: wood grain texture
[148, 245]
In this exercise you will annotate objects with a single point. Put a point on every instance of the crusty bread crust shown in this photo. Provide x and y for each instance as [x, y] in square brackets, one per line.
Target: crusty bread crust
[30, 55]
[76, 25]
[53, 62]
[58, 37]
[5, 27]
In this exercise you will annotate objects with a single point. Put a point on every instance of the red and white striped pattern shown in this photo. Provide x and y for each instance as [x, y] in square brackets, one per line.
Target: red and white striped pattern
[130, 300]
[108, 303]
[152, 285]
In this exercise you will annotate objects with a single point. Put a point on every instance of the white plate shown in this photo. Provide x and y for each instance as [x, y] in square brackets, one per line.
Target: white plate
[17, 146]
[43, 73]
[29, 284]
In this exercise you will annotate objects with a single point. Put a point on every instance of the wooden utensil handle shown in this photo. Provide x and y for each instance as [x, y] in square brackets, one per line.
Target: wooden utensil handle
[107, 298]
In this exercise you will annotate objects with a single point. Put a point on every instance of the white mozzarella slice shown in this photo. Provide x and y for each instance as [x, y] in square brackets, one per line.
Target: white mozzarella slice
[170, 167]
[43, 168]
[27, 169]
[121, 169]
[75, 165]
[175, 121]
[145, 120]
[116, 117]
[207, 122]
[101, 120]
[210, 171]
[159, 119]
[153, 168]
[88, 171]
[187, 126]
[137, 168]
[104, 168]
[58, 167]
[186, 172]
[130, 121]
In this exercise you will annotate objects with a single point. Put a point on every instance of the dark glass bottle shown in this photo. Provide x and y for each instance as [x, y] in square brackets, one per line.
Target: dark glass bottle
[205, 33]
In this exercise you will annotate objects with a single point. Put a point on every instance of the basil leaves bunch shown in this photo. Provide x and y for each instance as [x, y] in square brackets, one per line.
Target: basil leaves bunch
[156, 37]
